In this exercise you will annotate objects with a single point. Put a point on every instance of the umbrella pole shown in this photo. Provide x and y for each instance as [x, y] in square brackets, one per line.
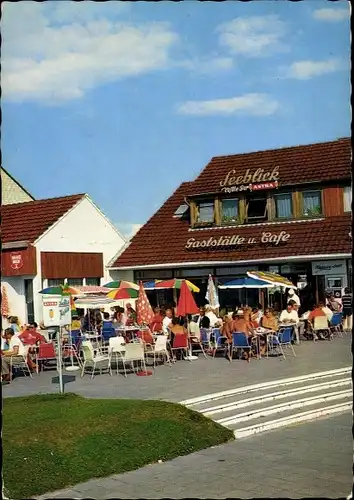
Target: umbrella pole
[60, 366]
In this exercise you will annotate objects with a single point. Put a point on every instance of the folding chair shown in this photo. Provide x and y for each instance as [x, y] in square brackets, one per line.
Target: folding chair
[46, 352]
[133, 352]
[218, 340]
[159, 349]
[180, 342]
[336, 323]
[20, 363]
[90, 359]
[320, 324]
[282, 339]
[240, 341]
[205, 334]
[116, 349]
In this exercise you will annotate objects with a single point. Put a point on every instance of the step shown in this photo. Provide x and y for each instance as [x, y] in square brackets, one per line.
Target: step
[293, 418]
[289, 406]
[240, 401]
[264, 386]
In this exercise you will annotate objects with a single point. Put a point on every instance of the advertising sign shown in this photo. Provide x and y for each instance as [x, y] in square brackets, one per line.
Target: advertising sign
[252, 181]
[56, 311]
[16, 260]
[238, 241]
[325, 268]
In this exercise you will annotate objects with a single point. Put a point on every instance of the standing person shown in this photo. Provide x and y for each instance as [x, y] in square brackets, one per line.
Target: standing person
[347, 301]
[214, 320]
[292, 296]
[203, 320]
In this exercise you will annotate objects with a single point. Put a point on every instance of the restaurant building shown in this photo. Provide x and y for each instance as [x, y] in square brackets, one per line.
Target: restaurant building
[49, 242]
[286, 210]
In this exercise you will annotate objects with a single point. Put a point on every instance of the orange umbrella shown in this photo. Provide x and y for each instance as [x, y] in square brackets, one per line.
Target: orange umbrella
[186, 303]
[144, 311]
[5, 310]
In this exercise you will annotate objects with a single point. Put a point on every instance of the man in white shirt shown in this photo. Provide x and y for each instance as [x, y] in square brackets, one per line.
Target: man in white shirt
[290, 315]
[16, 351]
[214, 320]
[166, 321]
[292, 296]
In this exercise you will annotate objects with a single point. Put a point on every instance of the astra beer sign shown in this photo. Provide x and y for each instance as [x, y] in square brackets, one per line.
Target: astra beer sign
[253, 181]
[238, 241]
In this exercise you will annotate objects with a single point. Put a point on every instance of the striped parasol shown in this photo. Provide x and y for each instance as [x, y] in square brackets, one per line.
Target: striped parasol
[5, 310]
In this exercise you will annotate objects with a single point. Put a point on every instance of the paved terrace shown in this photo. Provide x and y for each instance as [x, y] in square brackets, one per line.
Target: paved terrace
[187, 379]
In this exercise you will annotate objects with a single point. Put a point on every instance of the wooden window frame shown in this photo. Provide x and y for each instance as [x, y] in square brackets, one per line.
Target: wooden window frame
[230, 222]
[289, 193]
[313, 216]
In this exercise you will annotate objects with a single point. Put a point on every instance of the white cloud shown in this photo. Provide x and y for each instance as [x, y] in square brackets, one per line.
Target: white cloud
[331, 15]
[46, 59]
[248, 104]
[253, 36]
[207, 65]
[128, 229]
[305, 70]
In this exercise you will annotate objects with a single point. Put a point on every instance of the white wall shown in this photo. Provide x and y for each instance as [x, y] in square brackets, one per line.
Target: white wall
[83, 229]
[126, 275]
[15, 288]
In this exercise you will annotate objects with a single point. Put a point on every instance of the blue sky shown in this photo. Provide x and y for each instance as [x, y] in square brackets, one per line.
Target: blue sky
[125, 101]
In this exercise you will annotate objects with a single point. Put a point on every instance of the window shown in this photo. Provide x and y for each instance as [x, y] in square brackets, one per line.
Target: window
[56, 282]
[347, 198]
[312, 205]
[283, 206]
[75, 281]
[206, 211]
[93, 281]
[230, 210]
[256, 210]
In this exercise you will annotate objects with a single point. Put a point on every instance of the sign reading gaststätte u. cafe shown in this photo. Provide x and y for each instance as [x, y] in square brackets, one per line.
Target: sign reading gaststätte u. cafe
[266, 237]
[255, 181]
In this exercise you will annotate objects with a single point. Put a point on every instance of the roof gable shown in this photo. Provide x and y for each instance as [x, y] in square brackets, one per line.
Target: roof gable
[324, 161]
[28, 221]
[11, 190]
[163, 238]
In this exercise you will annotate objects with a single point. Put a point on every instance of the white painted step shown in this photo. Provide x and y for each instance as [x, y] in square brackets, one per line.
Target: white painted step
[239, 402]
[194, 403]
[293, 418]
[289, 406]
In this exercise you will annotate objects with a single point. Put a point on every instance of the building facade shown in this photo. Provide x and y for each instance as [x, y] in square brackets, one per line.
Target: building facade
[286, 210]
[49, 242]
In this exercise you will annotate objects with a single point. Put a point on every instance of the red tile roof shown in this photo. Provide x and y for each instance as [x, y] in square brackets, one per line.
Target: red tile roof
[28, 221]
[324, 161]
[163, 238]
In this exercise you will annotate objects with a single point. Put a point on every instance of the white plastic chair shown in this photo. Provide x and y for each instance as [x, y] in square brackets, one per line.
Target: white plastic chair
[91, 359]
[320, 324]
[133, 352]
[159, 349]
[117, 349]
[20, 362]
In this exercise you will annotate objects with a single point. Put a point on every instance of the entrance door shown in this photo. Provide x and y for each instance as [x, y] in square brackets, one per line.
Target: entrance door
[29, 300]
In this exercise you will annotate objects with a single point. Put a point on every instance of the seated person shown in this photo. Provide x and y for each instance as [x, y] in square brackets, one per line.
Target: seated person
[317, 312]
[214, 320]
[226, 331]
[75, 322]
[14, 324]
[289, 315]
[256, 315]
[166, 322]
[16, 351]
[30, 336]
[241, 324]
[156, 323]
[269, 321]
[193, 328]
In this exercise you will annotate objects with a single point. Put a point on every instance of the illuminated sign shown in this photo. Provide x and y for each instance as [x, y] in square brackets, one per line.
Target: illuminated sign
[237, 241]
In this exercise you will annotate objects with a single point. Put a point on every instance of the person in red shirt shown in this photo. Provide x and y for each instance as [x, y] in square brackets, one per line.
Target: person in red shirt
[317, 311]
[156, 323]
[30, 336]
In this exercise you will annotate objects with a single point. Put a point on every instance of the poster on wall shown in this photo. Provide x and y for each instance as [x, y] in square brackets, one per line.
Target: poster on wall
[56, 311]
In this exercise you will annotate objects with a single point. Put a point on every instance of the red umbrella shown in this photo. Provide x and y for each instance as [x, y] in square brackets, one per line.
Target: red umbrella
[186, 303]
[145, 313]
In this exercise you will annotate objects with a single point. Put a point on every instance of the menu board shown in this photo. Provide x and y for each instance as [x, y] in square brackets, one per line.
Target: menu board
[56, 311]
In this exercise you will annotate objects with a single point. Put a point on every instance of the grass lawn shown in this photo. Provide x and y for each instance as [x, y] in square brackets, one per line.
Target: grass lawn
[52, 442]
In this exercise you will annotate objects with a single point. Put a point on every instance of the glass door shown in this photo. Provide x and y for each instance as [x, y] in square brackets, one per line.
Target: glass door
[29, 300]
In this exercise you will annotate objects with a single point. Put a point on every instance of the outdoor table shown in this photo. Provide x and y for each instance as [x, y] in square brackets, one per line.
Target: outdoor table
[262, 331]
